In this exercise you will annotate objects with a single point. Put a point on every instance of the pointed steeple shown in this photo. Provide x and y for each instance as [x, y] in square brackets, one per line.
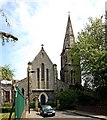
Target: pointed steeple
[69, 35]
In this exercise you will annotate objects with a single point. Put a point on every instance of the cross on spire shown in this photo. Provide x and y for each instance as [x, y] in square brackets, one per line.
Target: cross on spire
[68, 12]
[42, 46]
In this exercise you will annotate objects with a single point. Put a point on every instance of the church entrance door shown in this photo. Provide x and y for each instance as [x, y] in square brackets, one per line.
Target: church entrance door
[43, 99]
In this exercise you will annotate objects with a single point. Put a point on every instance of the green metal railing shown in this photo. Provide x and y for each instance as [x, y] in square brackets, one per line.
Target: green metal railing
[20, 103]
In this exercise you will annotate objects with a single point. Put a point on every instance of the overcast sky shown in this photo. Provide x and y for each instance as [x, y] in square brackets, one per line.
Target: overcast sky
[37, 22]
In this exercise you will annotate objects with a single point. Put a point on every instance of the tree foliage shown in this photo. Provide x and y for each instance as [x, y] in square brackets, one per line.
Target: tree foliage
[6, 73]
[4, 36]
[92, 51]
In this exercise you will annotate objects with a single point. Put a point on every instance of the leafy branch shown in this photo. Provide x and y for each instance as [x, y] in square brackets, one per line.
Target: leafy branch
[6, 37]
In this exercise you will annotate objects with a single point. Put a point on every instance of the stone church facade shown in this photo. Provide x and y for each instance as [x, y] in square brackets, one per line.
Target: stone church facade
[44, 78]
[44, 82]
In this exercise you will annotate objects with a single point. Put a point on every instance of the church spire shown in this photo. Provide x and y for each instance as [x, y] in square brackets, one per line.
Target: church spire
[69, 35]
[70, 65]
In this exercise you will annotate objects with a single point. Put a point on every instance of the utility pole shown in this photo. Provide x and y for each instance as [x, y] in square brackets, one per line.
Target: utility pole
[29, 63]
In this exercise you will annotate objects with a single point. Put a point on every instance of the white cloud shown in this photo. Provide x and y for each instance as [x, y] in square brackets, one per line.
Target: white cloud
[44, 22]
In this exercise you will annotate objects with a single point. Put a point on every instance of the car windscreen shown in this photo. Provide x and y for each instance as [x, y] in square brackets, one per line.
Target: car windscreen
[48, 108]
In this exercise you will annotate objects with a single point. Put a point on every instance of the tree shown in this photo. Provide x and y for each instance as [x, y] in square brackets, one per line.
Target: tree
[6, 37]
[92, 51]
[6, 73]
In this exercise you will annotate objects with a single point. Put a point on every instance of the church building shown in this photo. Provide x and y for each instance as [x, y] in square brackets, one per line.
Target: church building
[44, 82]
[42, 75]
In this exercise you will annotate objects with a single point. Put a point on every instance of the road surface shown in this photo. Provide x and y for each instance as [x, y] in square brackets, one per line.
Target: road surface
[60, 115]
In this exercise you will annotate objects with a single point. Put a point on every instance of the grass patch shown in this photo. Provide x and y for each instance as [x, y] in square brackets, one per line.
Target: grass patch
[5, 111]
[6, 115]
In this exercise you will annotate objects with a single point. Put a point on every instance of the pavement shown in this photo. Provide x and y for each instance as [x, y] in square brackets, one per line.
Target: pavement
[34, 114]
[87, 114]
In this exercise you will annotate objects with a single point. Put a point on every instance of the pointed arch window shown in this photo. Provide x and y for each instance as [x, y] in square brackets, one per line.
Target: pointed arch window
[43, 71]
[47, 77]
[72, 60]
[38, 77]
[38, 74]
[23, 91]
[71, 75]
[47, 74]
[74, 76]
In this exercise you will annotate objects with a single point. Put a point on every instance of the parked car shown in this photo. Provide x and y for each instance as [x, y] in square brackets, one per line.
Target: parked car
[47, 110]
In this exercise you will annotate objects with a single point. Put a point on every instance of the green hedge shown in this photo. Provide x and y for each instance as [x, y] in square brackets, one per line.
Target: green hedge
[67, 99]
[71, 98]
[6, 108]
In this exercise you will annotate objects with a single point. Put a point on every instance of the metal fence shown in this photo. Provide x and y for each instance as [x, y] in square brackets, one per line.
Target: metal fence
[20, 103]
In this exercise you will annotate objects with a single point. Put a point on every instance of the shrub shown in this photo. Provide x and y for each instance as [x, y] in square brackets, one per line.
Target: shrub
[101, 92]
[6, 110]
[86, 98]
[52, 103]
[68, 99]
[32, 104]
[71, 98]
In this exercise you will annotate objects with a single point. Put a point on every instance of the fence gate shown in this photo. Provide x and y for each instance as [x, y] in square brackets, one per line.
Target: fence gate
[20, 103]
